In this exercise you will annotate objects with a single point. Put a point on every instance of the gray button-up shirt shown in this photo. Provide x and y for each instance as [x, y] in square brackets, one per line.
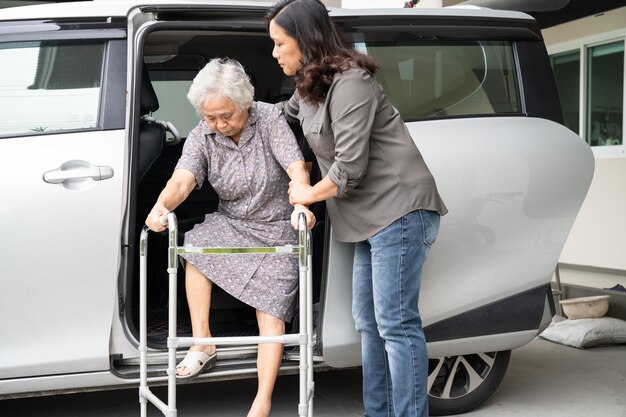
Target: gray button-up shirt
[364, 147]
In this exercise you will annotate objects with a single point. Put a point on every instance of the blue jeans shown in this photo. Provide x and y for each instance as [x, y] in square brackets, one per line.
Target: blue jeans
[385, 289]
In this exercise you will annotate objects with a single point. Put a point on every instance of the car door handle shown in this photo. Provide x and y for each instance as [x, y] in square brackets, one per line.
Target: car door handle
[78, 170]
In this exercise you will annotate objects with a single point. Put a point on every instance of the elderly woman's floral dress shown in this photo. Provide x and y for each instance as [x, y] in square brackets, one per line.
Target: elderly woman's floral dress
[254, 210]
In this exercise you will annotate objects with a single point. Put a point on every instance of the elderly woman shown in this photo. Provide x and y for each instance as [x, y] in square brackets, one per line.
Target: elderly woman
[247, 152]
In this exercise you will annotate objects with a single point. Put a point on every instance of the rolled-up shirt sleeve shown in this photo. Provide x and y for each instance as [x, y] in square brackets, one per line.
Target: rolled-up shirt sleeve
[352, 107]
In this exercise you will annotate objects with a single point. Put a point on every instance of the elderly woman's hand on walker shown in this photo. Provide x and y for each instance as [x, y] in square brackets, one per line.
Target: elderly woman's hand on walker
[154, 219]
[177, 189]
[310, 217]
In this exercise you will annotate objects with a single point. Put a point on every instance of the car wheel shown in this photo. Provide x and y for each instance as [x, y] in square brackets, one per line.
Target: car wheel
[457, 384]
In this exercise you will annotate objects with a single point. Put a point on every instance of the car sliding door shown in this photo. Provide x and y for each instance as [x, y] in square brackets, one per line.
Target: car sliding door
[61, 181]
[512, 177]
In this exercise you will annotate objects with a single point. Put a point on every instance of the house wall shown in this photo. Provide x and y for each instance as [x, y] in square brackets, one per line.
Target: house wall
[586, 27]
[595, 252]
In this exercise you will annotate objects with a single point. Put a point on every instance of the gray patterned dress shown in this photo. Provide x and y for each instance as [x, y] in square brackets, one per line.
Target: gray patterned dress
[254, 209]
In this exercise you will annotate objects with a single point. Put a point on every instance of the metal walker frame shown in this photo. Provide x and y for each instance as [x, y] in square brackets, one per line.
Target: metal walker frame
[304, 338]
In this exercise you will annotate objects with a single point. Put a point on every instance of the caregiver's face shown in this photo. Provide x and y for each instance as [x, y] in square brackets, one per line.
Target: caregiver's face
[285, 50]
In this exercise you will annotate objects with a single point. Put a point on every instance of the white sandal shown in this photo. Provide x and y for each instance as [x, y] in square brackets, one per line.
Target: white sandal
[196, 362]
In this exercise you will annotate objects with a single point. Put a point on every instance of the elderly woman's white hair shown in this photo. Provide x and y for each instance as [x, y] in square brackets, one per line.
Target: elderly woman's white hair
[221, 77]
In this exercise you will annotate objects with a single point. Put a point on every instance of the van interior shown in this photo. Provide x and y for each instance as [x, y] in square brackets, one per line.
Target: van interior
[171, 59]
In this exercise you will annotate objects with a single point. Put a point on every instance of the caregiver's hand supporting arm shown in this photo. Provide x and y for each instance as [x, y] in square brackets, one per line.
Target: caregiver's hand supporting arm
[297, 173]
[301, 193]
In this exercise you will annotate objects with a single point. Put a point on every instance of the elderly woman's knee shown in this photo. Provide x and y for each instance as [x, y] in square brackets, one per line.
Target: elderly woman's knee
[269, 325]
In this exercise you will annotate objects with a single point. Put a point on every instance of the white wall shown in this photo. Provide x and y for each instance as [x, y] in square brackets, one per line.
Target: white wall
[598, 238]
[596, 248]
[586, 27]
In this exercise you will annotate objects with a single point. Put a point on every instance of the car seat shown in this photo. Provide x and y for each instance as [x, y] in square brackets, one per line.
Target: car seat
[152, 132]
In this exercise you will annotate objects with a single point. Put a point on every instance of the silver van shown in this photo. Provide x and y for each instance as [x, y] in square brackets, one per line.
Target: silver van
[93, 120]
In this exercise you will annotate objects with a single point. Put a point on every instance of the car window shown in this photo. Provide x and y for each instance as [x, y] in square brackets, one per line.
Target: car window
[48, 86]
[173, 103]
[446, 79]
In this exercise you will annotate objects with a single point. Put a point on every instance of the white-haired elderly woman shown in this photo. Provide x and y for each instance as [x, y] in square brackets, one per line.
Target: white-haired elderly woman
[248, 153]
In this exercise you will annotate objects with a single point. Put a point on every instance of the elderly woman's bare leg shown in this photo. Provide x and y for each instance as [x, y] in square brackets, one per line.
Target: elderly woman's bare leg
[268, 363]
[198, 289]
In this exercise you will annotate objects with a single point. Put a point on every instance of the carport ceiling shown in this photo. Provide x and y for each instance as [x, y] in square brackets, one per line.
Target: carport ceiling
[548, 12]
[576, 9]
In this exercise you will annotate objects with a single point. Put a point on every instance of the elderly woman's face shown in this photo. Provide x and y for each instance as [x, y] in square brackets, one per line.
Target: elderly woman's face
[223, 115]
[285, 50]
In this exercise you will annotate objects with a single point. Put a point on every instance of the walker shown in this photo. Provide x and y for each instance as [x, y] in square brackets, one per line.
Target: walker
[304, 338]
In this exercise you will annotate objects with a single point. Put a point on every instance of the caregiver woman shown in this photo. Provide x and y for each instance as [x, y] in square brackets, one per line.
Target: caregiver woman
[379, 194]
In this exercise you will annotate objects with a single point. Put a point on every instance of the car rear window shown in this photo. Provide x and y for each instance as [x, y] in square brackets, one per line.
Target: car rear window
[48, 86]
[427, 79]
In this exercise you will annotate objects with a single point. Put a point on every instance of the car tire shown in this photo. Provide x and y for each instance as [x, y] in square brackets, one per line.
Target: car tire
[457, 384]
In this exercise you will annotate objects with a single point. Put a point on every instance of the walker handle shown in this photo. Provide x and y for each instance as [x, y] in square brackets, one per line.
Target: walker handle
[302, 221]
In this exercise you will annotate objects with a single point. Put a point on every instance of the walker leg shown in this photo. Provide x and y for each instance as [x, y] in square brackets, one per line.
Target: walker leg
[305, 364]
[309, 331]
[143, 366]
[172, 339]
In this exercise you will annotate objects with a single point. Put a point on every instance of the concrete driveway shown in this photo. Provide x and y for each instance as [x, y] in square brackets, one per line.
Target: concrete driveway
[544, 380]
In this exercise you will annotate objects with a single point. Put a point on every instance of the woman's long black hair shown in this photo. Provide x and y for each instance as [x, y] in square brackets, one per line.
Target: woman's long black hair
[324, 50]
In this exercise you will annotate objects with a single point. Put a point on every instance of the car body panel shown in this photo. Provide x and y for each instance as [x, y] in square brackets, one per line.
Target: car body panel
[60, 252]
[512, 197]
